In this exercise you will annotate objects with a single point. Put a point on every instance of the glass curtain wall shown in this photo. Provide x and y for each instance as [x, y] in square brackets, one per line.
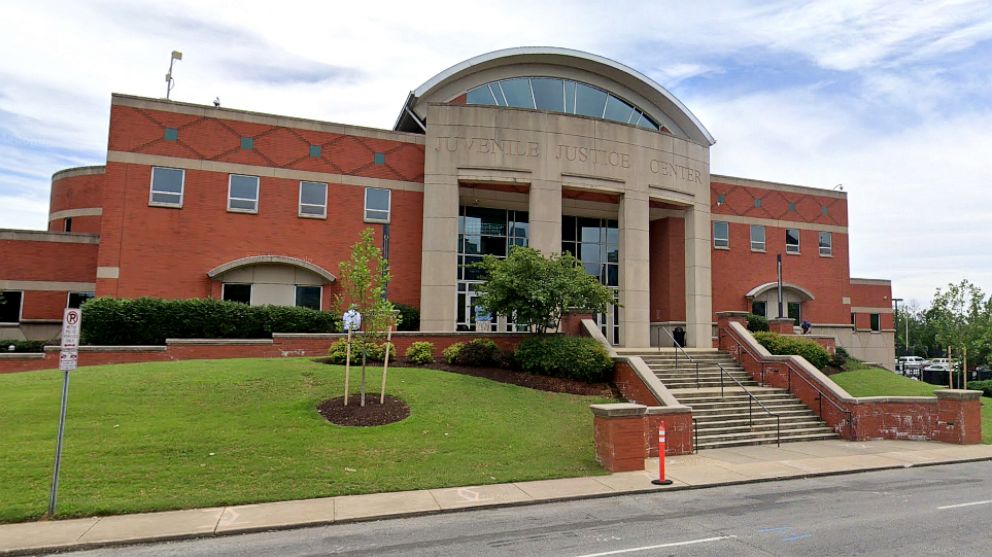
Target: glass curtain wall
[483, 231]
[596, 243]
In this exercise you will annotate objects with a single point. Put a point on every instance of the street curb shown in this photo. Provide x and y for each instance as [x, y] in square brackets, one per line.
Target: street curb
[392, 516]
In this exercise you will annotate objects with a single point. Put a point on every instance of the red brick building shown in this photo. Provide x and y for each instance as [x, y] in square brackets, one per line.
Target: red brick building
[552, 148]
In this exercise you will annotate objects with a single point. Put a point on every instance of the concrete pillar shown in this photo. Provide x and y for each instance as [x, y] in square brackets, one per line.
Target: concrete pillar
[698, 277]
[439, 265]
[635, 284]
[544, 213]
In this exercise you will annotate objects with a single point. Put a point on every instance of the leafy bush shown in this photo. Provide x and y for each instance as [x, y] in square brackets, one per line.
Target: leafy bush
[480, 352]
[24, 345]
[110, 321]
[782, 344]
[409, 317]
[450, 354]
[756, 323]
[578, 358]
[839, 359]
[984, 386]
[338, 351]
[420, 353]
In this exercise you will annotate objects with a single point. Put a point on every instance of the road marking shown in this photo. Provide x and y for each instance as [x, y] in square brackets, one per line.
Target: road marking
[958, 506]
[661, 546]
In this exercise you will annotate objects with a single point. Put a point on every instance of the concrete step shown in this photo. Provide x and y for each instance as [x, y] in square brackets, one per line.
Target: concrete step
[745, 427]
[761, 419]
[743, 442]
[742, 415]
[708, 439]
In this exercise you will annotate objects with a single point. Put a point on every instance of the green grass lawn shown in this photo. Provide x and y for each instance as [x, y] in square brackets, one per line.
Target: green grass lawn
[872, 381]
[172, 435]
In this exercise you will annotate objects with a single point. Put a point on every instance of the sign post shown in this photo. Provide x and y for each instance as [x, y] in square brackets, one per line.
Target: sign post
[68, 358]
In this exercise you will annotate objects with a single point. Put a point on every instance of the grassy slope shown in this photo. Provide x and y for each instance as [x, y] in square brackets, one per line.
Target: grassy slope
[158, 436]
[880, 382]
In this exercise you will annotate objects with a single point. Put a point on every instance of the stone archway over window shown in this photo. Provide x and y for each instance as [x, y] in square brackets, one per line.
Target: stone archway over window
[272, 279]
[765, 297]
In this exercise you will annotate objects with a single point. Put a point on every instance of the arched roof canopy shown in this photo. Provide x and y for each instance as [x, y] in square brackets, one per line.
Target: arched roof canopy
[806, 295]
[619, 81]
[271, 259]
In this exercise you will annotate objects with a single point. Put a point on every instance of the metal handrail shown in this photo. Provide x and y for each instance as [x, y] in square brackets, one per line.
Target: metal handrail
[819, 392]
[751, 398]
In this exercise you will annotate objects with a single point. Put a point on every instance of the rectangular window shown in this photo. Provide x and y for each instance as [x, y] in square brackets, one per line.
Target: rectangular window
[759, 308]
[377, 204]
[826, 244]
[721, 234]
[757, 237]
[791, 240]
[308, 297]
[313, 199]
[795, 312]
[10, 306]
[76, 299]
[876, 322]
[242, 194]
[854, 318]
[240, 293]
[167, 187]
[68, 225]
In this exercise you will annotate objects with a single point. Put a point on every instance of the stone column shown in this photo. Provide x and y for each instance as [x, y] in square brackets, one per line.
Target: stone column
[439, 254]
[698, 277]
[544, 214]
[635, 284]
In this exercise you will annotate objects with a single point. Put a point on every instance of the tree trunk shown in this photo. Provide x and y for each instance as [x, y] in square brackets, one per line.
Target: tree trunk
[363, 374]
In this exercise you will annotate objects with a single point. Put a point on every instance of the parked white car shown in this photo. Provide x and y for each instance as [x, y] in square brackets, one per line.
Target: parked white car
[937, 367]
[911, 363]
[946, 363]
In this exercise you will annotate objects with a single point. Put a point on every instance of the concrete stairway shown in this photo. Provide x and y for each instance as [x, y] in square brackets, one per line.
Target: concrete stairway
[723, 421]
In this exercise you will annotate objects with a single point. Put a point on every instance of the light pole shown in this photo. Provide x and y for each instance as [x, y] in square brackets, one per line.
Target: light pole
[169, 82]
[896, 325]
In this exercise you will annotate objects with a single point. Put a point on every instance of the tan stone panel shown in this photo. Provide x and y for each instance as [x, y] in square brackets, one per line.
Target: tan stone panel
[438, 268]
[443, 236]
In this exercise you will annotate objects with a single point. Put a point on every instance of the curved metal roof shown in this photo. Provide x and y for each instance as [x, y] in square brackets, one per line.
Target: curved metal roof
[662, 98]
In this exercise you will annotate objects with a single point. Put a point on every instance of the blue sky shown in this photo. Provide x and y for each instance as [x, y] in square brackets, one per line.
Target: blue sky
[891, 99]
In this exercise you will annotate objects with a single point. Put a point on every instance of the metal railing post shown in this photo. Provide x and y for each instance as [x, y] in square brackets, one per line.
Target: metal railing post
[697, 375]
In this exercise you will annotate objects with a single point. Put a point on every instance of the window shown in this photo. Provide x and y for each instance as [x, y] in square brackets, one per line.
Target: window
[242, 194]
[167, 187]
[67, 225]
[854, 318]
[313, 199]
[377, 203]
[795, 312]
[791, 240]
[233, 292]
[379, 159]
[757, 203]
[759, 308]
[171, 134]
[876, 322]
[308, 297]
[247, 143]
[76, 299]
[315, 151]
[721, 234]
[826, 244]
[10, 306]
[757, 237]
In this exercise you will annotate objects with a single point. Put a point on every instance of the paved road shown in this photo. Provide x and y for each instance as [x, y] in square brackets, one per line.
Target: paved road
[939, 510]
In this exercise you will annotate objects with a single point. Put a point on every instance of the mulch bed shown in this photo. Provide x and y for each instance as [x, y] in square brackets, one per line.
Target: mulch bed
[391, 410]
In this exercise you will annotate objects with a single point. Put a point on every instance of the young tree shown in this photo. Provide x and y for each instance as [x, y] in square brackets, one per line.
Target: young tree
[538, 290]
[363, 282]
[961, 317]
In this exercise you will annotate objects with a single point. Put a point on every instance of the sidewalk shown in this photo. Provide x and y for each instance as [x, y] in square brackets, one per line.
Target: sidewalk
[705, 469]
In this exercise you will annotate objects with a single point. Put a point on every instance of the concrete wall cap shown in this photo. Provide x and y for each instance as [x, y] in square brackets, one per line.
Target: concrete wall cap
[720, 314]
[658, 410]
[21, 355]
[958, 394]
[618, 410]
[145, 348]
[217, 341]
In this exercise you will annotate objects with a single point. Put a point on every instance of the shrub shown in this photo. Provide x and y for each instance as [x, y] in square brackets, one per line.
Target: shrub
[756, 323]
[480, 352]
[984, 386]
[24, 345]
[450, 354]
[110, 321]
[338, 351]
[579, 358]
[420, 353]
[839, 359]
[781, 344]
[409, 317]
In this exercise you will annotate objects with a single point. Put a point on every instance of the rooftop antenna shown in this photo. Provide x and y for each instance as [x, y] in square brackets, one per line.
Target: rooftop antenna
[169, 82]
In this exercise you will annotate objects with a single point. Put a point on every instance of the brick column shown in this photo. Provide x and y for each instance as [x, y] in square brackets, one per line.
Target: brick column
[620, 442]
[959, 417]
[782, 326]
[723, 321]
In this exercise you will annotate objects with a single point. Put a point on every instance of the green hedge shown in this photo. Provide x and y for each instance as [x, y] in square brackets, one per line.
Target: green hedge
[338, 351]
[579, 358]
[756, 323]
[409, 317]
[420, 353]
[25, 345]
[782, 344]
[984, 386]
[110, 321]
